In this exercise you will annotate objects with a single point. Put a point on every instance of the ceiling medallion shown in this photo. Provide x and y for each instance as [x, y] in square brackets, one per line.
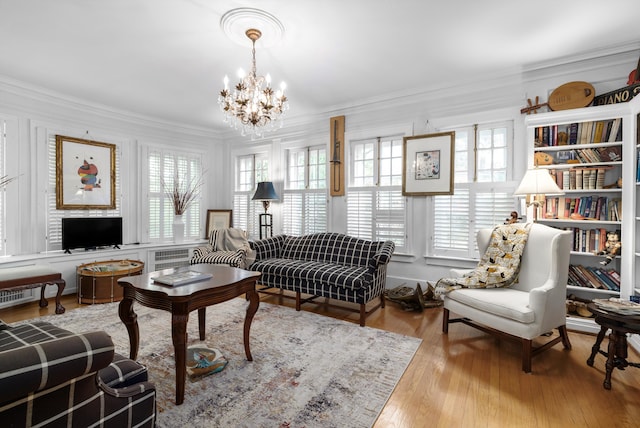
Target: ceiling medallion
[235, 23]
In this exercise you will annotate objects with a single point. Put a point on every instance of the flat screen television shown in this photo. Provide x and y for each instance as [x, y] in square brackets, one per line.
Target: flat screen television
[91, 232]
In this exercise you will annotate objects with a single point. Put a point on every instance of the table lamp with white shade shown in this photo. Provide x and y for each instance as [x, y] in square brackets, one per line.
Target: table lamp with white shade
[535, 185]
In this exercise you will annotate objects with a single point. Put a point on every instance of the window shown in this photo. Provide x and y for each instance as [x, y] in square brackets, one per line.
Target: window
[250, 170]
[376, 209]
[483, 195]
[305, 195]
[55, 216]
[166, 166]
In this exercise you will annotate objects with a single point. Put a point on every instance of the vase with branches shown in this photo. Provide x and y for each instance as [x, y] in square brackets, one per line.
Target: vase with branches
[182, 194]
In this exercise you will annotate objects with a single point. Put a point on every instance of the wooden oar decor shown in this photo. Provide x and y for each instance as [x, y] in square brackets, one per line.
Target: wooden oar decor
[533, 107]
[564, 97]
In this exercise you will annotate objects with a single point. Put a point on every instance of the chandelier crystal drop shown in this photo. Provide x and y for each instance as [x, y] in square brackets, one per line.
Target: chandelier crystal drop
[253, 106]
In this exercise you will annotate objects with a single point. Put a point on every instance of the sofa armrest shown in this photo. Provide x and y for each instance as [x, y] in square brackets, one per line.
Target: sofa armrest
[383, 255]
[267, 248]
[201, 251]
[35, 367]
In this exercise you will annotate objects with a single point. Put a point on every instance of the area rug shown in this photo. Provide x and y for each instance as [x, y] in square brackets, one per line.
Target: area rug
[309, 370]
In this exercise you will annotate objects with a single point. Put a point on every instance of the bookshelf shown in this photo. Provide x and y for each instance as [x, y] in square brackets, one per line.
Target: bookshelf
[592, 153]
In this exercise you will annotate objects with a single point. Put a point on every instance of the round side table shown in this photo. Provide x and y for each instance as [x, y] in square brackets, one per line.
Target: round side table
[616, 352]
[98, 281]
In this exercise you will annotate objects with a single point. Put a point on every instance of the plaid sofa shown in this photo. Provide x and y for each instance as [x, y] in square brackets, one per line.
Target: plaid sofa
[330, 265]
[52, 377]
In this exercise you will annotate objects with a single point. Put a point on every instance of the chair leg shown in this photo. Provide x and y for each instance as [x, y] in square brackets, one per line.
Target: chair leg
[298, 301]
[445, 321]
[565, 336]
[526, 355]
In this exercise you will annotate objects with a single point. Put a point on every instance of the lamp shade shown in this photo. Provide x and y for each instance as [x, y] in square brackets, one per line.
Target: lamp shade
[537, 182]
[265, 192]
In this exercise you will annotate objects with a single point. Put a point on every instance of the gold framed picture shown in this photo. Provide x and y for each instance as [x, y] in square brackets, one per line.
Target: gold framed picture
[428, 167]
[218, 219]
[85, 174]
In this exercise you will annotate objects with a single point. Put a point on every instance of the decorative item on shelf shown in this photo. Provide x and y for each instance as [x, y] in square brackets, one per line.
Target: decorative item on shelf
[514, 217]
[622, 95]
[182, 194]
[265, 193]
[253, 106]
[571, 95]
[535, 184]
[531, 107]
[541, 158]
[611, 248]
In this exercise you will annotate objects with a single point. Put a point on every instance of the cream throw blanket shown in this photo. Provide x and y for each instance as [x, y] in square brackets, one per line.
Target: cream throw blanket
[500, 264]
[233, 239]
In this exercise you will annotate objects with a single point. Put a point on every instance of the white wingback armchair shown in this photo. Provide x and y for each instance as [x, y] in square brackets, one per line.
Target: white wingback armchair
[533, 306]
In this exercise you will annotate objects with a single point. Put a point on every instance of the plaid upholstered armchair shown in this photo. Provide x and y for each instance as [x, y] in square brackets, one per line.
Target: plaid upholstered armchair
[52, 377]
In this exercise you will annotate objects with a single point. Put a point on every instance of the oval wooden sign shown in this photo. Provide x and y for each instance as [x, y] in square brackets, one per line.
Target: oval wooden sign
[571, 95]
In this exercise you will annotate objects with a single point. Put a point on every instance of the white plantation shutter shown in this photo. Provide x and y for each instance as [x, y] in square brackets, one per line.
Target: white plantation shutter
[389, 217]
[451, 221]
[315, 212]
[360, 213]
[55, 216]
[292, 219]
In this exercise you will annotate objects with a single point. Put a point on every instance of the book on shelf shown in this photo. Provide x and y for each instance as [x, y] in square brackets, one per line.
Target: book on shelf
[580, 178]
[592, 277]
[590, 132]
[610, 153]
[593, 207]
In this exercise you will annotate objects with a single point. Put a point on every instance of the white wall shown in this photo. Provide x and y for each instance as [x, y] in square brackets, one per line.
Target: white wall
[34, 113]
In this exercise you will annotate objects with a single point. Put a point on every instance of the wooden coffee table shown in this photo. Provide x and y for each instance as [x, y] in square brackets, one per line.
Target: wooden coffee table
[225, 284]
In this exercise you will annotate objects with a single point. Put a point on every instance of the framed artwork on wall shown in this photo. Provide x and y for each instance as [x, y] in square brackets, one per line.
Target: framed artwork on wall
[428, 167]
[85, 174]
[218, 219]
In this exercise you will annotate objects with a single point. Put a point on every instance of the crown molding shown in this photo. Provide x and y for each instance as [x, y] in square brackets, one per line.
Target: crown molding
[72, 108]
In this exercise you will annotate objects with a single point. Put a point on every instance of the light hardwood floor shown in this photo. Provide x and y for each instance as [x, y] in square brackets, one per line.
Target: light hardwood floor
[470, 379]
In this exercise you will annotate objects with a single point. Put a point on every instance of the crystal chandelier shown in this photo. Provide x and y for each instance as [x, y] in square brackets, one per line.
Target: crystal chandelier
[253, 106]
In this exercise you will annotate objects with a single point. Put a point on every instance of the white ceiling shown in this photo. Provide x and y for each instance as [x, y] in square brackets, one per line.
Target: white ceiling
[165, 59]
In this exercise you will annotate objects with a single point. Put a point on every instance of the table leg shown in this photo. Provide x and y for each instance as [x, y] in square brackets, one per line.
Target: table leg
[613, 338]
[59, 308]
[596, 347]
[179, 337]
[254, 302]
[202, 321]
[130, 320]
